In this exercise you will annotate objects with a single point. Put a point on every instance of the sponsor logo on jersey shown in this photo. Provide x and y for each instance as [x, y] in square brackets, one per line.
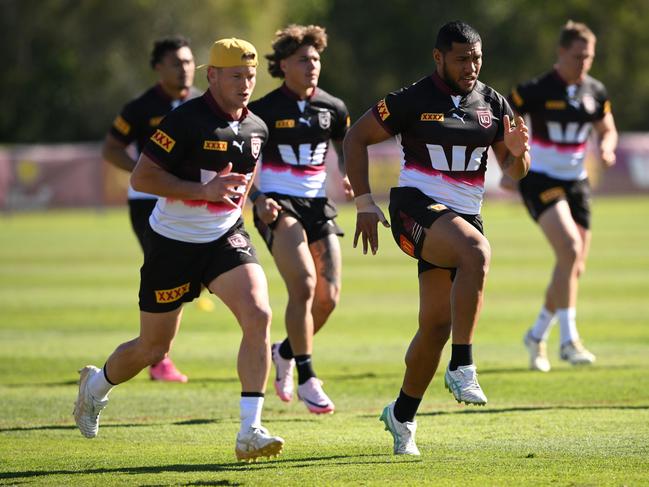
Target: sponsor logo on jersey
[555, 105]
[324, 120]
[155, 121]
[552, 194]
[238, 241]
[239, 145]
[121, 125]
[484, 118]
[406, 245]
[163, 140]
[289, 123]
[219, 145]
[437, 207]
[348, 121]
[382, 108]
[255, 146]
[432, 117]
[517, 98]
[171, 295]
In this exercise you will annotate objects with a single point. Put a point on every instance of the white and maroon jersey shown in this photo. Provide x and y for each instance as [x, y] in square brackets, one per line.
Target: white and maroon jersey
[561, 121]
[140, 118]
[193, 143]
[293, 161]
[444, 138]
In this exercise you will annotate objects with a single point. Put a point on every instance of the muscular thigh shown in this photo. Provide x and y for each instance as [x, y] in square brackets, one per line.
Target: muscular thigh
[291, 250]
[327, 259]
[242, 289]
[559, 227]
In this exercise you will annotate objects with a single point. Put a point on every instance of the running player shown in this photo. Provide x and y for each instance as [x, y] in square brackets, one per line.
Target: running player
[563, 104]
[200, 162]
[292, 211]
[445, 124]
[173, 61]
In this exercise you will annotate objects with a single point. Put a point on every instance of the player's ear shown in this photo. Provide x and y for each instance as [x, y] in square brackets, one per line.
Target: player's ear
[437, 56]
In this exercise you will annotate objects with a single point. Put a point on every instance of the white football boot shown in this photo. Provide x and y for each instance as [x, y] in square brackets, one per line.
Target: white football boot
[463, 383]
[538, 351]
[576, 354]
[283, 382]
[402, 433]
[87, 408]
[257, 442]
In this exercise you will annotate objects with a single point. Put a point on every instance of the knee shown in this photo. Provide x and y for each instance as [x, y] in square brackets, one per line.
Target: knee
[302, 289]
[256, 320]
[436, 333]
[569, 251]
[326, 303]
[477, 257]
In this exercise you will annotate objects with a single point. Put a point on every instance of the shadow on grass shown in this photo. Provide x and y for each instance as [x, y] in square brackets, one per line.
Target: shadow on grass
[363, 459]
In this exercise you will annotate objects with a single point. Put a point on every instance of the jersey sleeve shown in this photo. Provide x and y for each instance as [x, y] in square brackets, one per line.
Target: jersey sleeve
[124, 127]
[393, 111]
[342, 121]
[521, 98]
[604, 103]
[505, 109]
[168, 145]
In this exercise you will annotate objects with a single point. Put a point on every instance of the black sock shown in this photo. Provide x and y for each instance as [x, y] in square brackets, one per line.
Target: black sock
[460, 355]
[406, 407]
[252, 394]
[285, 350]
[106, 376]
[304, 368]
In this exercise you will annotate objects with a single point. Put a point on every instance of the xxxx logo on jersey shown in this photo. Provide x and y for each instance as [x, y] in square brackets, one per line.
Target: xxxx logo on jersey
[220, 145]
[383, 110]
[171, 295]
[163, 140]
[432, 117]
[121, 125]
[555, 105]
[285, 124]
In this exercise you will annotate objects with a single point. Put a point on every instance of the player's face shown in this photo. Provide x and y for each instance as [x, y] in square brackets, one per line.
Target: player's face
[176, 69]
[460, 66]
[232, 87]
[302, 68]
[576, 60]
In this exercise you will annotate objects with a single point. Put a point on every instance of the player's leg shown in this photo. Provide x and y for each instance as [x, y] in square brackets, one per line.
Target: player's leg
[422, 358]
[157, 331]
[452, 242]
[244, 291]
[328, 262]
[296, 266]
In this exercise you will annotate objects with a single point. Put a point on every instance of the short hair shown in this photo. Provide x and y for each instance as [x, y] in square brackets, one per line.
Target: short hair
[166, 44]
[289, 40]
[574, 31]
[456, 31]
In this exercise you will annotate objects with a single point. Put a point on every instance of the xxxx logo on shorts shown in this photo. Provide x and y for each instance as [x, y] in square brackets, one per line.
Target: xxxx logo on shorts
[121, 125]
[437, 207]
[220, 145]
[552, 194]
[171, 295]
[407, 246]
[163, 140]
[285, 124]
[383, 110]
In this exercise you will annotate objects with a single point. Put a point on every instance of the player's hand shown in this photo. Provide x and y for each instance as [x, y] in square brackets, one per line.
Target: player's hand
[225, 186]
[608, 157]
[368, 214]
[508, 183]
[267, 209]
[347, 189]
[516, 136]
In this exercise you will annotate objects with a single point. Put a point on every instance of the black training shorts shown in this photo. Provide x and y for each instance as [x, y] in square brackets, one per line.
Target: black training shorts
[316, 215]
[540, 192]
[173, 271]
[411, 211]
[140, 210]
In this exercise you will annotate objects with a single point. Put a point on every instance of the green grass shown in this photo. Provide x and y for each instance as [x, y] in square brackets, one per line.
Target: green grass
[68, 296]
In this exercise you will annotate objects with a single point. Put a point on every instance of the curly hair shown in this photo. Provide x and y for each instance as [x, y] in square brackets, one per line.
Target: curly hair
[289, 40]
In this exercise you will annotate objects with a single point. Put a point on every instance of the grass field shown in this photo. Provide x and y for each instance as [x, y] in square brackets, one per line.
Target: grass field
[68, 296]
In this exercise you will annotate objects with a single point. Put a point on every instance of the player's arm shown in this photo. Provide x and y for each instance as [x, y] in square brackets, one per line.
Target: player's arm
[114, 151]
[512, 152]
[150, 177]
[365, 132]
[347, 186]
[607, 134]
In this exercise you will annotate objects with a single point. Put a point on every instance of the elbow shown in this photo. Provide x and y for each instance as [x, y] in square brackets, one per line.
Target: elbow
[137, 182]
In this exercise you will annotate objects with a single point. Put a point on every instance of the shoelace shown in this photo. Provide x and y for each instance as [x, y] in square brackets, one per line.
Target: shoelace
[472, 383]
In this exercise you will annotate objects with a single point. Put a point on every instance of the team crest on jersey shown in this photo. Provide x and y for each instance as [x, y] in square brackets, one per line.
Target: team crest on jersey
[324, 120]
[255, 146]
[155, 121]
[437, 207]
[163, 140]
[432, 117]
[121, 125]
[171, 295]
[484, 118]
[237, 241]
[383, 110]
[285, 124]
[219, 145]
[589, 103]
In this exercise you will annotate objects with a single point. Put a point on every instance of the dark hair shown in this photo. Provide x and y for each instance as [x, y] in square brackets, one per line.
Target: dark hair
[289, 40]
[456, 31]
[164, 45]
[573, 31]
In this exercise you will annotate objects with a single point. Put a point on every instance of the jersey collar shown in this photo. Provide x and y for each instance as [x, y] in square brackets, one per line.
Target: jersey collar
[214, 106]
[294, 96]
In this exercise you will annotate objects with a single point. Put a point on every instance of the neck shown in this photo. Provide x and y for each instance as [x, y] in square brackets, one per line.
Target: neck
[301, 91]
[175, 93]
[567, 77]
[234, 111]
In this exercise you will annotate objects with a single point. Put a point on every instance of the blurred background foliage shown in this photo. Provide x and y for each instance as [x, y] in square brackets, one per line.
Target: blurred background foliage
[69, 65]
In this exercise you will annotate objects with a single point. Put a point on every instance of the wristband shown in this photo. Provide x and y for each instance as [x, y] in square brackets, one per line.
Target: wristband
[364, 201]
[254, 195]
